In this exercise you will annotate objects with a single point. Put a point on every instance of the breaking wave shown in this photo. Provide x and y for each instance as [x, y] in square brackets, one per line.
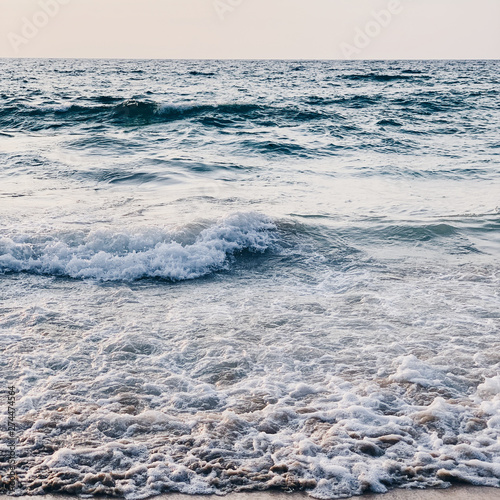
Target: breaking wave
[108, 255]
[107, 111]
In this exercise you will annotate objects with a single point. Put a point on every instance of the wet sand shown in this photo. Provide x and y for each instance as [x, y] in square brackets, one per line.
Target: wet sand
[456, 493]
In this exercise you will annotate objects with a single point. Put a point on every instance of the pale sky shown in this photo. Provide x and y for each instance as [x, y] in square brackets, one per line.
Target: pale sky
[251, 29]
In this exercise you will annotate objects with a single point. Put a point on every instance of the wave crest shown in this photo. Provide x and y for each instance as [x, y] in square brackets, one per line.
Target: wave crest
[112, 256]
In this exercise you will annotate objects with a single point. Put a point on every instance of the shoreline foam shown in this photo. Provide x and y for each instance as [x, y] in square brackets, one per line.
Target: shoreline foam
[453, 493]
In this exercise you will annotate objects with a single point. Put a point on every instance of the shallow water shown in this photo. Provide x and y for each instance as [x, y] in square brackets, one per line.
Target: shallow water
[227, 276]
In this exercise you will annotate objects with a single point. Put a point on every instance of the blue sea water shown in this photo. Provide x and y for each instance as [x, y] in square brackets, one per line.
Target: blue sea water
[247, 275]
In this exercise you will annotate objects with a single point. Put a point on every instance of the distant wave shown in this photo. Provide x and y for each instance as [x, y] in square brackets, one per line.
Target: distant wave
[329, 108]
[110, 255]
[376, 77]
[108, 110]
[388, 122]
[412, 71]
[202, 73]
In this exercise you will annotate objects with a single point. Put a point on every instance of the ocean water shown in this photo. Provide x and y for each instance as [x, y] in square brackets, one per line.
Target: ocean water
[234, 276]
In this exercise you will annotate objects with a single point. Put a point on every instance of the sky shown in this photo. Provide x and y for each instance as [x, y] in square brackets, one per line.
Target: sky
[251, 29]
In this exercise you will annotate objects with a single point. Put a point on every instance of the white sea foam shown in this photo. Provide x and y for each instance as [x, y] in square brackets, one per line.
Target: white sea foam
[127, 255]
[338, 387]
[342, 445]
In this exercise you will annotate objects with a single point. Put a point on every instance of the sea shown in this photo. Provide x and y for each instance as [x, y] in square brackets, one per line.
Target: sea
[225, 276]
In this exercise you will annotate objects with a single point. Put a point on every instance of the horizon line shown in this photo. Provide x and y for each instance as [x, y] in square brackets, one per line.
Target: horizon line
[243, 59]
